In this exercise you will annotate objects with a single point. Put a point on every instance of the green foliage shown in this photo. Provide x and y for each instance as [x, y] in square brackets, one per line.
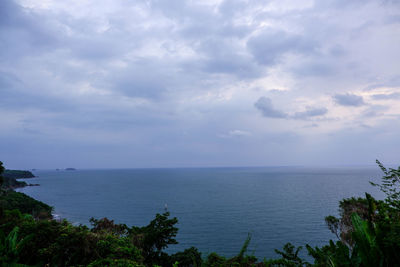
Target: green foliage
[11, 246]
[17, 174]
[115, 263]
[8, 178]
[242, 259]
[1, 174]
[214, 260]
[390, 185]
[375, 238]
[342, 227]
[105, 225]
[289, 257]
[11, 183]
[365, 243]
[59, 243]
[333, 224]
[2, 169]
[154, 237]
[366, 248]
[188, 257]
[244, 248]
[335, 254]
[370, 228]
[14, 200]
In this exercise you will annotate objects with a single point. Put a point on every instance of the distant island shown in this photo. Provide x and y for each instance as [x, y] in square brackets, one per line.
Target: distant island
[70, 169]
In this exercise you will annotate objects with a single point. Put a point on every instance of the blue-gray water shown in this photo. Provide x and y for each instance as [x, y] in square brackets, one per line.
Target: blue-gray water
[216, 207]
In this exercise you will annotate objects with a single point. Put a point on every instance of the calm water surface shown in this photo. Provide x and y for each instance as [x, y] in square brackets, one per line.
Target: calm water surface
[216, 207]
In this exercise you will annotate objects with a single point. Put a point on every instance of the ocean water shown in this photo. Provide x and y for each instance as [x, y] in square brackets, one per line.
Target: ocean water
[216, 207]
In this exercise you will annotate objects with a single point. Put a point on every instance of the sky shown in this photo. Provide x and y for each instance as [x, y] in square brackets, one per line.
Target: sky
[168, 83]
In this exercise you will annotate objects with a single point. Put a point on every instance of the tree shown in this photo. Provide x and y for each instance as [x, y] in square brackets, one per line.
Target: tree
[154, 237]
[390, 185]
[342, 227]
[11, 246]
[2, 169]
[368, 229]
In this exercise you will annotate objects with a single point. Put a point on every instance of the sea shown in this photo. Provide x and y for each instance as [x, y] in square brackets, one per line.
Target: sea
[217, 208]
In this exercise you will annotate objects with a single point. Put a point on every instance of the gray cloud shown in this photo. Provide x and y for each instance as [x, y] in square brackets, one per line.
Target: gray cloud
[309, 113]
[270, 45]
[349, 100]
[147, 78]
[374, 111]
[386, 96]
[314, 69]
[235, 134]
[391, 81]
[24, 33]
[8, 80]
[264, 104]
[224, 56]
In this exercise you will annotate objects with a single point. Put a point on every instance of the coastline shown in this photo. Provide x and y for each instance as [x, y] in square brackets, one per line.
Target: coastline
[14, 179]
[55, 215]
[134, 196]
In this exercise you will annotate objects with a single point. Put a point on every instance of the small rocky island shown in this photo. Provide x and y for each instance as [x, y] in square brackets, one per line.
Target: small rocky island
[70, 169]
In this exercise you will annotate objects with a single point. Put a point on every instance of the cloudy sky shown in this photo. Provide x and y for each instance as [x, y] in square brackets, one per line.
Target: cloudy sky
[168, 83]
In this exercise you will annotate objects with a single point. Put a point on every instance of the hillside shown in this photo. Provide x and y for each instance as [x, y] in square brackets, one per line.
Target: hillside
[17, 174]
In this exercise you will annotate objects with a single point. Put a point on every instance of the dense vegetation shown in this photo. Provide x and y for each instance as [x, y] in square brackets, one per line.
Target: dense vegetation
[9, 178]
[17, 174]
[25, 204]
[368, 233]
[12, 183]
